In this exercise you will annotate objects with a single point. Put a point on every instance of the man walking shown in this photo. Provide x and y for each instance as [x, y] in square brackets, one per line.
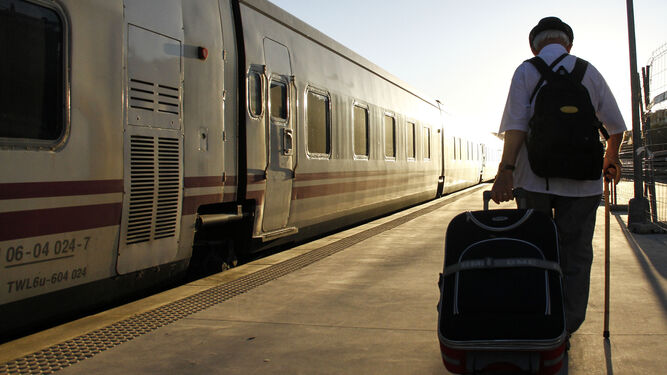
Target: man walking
[560, 178]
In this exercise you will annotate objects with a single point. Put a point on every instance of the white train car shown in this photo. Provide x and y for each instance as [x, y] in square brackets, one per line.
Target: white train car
[140, 137]
[344, 137]
[492, 153]
[104, 156]
[469, 158]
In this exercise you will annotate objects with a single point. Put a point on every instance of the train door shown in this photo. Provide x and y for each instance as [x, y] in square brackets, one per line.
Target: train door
[281, 160]
[481, 151]
[443, 151]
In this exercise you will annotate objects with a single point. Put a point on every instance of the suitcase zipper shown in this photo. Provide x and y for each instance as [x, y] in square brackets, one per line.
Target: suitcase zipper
[518, 223]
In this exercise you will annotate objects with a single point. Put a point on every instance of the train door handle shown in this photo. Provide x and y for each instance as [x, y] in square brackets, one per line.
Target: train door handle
[288, 141]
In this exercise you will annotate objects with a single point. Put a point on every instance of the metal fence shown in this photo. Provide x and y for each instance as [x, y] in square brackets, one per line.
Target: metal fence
[655, 96]
[654, 184]
[653, 153]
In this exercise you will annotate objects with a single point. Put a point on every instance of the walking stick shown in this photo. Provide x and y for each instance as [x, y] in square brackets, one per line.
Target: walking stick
[606, 258]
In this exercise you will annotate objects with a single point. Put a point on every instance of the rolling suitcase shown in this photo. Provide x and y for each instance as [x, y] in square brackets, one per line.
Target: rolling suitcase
[501, 304]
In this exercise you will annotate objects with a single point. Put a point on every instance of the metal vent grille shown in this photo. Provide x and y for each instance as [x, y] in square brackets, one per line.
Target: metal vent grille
[59, 356]
[142, 186]
[154, 188]
[154, 97]
[168, 179]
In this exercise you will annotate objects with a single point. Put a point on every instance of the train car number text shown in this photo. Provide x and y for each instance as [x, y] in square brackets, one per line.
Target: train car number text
[44, 250]
[42, 281]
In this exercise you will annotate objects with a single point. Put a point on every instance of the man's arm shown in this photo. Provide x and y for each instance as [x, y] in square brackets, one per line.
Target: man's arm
[611, 166]
[504, 183]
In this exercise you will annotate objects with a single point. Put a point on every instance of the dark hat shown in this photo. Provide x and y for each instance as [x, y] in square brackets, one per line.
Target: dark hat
[551, 23]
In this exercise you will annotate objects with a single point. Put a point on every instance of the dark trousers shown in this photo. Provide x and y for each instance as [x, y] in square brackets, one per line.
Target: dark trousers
[575, 220]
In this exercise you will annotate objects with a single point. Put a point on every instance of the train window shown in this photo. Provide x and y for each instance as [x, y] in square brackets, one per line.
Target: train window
[454, 147]
[318, 123]
[255, 93]
[360, 130]
[278, 100]
[33, 108]
[460, 149]
[427, 143]
[411, 140]
[389, 136]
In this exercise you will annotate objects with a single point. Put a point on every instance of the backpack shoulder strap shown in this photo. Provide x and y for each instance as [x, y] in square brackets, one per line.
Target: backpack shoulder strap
[540, 65]
[545, 71]
[579, 70]
[577, 75]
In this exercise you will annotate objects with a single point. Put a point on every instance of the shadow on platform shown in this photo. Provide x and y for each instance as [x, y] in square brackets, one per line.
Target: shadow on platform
[607, 356]
[651, 253]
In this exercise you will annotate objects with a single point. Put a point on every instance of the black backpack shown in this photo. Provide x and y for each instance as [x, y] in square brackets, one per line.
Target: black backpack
[564, 140]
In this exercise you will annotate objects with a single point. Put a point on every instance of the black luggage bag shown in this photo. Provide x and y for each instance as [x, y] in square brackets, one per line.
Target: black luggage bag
[501, 304]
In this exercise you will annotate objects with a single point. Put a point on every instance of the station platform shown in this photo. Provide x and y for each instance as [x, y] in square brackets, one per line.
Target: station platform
[362, 301]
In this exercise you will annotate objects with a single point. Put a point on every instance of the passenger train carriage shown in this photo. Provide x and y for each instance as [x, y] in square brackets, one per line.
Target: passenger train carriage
[141, 137]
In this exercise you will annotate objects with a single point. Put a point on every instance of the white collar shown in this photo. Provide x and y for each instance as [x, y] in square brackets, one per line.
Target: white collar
[551, 52]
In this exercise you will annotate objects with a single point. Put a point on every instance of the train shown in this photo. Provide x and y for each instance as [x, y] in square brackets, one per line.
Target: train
[141, 139]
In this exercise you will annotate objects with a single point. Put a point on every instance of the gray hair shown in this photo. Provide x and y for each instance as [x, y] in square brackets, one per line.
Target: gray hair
[550, 34]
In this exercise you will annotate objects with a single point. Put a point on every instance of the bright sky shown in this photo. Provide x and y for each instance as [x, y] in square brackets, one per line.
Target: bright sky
[465, 52]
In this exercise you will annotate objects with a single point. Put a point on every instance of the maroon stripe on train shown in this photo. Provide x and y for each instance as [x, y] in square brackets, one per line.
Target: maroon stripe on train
[256, 178]
[230, 181]
[22, 224]
[22, 190]
[329, 175]
[208, 181]
[257, 195]
[229, 197]
[204, 181]
[305, 192]
[191, 203]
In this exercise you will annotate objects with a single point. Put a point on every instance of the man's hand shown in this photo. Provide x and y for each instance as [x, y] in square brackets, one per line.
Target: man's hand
[502, 187]
[611, 168]
[504, 183]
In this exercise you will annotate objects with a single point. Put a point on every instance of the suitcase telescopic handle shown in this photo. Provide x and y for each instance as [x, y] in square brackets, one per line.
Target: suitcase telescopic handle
[487, 198]
[516, 193]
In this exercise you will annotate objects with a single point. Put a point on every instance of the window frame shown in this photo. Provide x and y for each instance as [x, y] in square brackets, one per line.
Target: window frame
[460, 148]
[58, 143]
[454, 157]
[260, 70]
[384, 133]
[426, 146]
[366, 109]
[329, 122]
[410, 128]
[284, 81]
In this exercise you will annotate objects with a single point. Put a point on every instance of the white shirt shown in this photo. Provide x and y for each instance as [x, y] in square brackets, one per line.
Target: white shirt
[519, 110]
